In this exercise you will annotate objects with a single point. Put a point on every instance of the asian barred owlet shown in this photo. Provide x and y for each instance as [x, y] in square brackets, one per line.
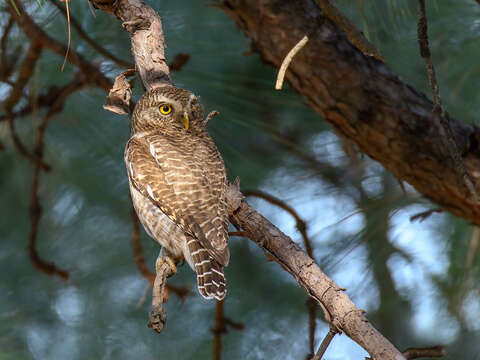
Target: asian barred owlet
[178, 182]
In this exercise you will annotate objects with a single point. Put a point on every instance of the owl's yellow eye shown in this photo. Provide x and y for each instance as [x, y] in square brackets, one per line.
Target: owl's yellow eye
[165, 109]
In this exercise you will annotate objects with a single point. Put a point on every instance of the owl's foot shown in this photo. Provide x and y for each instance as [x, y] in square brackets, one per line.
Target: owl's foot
[165, 259]
[158, 318]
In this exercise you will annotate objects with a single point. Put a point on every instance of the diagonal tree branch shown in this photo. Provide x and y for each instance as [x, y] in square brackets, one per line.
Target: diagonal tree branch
[339, 310]
[364, 100]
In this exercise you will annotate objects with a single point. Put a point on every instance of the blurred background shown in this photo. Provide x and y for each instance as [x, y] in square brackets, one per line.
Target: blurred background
[418, 281]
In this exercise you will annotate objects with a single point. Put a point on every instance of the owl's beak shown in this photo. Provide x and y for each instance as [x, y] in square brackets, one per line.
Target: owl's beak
[185, 120]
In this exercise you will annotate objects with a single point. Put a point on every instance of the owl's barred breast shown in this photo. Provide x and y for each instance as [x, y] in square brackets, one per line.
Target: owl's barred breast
[158, 225]
[178, 184]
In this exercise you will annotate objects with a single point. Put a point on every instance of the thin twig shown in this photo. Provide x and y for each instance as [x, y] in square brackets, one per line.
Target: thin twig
[69, 31]
[137, 250]
[45, 100]
[33, 158]
[35, 33]
[101, 50]
[25, 72]
[218, 331]
[238, 233]
[324, 345]
[301, 226]
[288, 60]
[452, 145]
[5, 69]
[424, 215]
[35, 209]
[428, 352]
[312, 323]
[220, 328]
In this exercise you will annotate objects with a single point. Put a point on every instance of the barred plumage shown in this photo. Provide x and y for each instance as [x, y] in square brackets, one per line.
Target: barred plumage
[178, 183]
[211, 281]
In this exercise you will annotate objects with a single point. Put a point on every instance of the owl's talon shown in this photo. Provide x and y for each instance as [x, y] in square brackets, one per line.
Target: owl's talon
[158, 318]
[169, 261]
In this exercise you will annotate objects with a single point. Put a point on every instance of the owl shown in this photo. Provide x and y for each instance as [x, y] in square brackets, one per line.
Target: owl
[178, 182]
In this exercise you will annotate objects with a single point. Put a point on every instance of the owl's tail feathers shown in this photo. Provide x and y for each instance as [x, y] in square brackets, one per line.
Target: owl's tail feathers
[211, 280]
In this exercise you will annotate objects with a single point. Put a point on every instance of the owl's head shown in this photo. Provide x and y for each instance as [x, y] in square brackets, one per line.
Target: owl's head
[167, 108]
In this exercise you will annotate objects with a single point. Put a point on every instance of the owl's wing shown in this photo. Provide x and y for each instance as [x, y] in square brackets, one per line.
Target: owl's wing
[187, 191]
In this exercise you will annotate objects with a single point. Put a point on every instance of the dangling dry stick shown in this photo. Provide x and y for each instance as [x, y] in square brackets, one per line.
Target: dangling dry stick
[287, 61]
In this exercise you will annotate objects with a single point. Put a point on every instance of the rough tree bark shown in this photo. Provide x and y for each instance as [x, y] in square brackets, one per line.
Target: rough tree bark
[364, 100]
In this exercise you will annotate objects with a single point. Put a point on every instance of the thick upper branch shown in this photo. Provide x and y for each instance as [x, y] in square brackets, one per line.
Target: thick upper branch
[364, 100]
[148, 44]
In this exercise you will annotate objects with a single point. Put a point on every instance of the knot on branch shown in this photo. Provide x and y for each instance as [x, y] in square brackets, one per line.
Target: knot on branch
[106, 5]
[233, 196]
[139, 23]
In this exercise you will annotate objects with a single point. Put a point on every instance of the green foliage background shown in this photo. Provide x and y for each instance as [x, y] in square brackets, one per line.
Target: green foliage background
[411, 278]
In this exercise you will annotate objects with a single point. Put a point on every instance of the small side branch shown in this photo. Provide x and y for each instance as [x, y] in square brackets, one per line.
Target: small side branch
[301, 226]
[428, 352]
[35, 32]
[48, 268]
[118, 99]
[325, 343]
[220, 329]
[422, 28]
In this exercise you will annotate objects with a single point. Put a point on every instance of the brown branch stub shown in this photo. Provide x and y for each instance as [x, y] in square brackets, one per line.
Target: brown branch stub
[118, 99]
[420, 217]
[238, 233]
[428, 352]
[179, 62]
